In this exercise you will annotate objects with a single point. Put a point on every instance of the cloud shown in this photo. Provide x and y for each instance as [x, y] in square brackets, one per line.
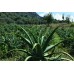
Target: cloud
[57, 16]
[43, 13]
[72, 18]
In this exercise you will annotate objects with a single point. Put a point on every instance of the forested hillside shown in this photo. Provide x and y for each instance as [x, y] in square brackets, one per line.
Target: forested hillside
[20, 18]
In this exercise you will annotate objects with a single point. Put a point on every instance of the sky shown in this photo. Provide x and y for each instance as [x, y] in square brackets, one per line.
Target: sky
[58, 15]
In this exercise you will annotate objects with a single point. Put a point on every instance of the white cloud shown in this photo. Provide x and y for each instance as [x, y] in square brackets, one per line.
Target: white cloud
[72, 18]
[43, 13]
[57, 16]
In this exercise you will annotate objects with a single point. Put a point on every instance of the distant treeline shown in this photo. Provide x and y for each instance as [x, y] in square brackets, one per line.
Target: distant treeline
[50, 19]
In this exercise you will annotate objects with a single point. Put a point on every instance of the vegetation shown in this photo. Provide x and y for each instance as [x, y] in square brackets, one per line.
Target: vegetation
[35, 43]
[49, 18]
[26, 36]
[38, 48]
[67, 35]
[24, 18]
[20, 18]
[67, 19]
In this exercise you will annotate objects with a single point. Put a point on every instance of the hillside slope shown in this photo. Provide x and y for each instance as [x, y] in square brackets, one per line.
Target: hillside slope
[20, 18]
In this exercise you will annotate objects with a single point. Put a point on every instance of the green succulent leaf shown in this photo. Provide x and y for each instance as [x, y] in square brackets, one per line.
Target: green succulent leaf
[27, 41]
[42, 40]
[51, 47]
[25, 51]
[67, 55]
[32, 58]
[49, 39]
[28, 58]
[35, 40]
[65, 59]
[48, 48]
[56, 58]
[27, 34]
[41, 33]
[37, 50]
[37, 46]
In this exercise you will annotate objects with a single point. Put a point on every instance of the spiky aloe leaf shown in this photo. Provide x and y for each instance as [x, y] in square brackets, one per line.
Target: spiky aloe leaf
[32, 58]
[41, 33]
[67, 55]
[42, 40]
[35, 45]
[25, 51]
[37, 51]
[51, 47]
[49, 39]
[28, 58]
[56, 58]
[48, 48]
[27, 34]
[27, 41]
[65, 59]
[35, 40]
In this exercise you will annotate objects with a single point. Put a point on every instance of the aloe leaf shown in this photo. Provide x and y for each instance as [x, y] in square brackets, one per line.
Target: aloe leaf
[36, 47]
[56, 58]
[37, 51]
[65, 59]
[28, 58]
[67, 55]
[62, 52]
[41, 33]
[33, 36]
[48, 48]
[26, 34]
[48, 39]
[42, 40]
[27, 52]
[32, 58]
[27, 41]
[51, 46]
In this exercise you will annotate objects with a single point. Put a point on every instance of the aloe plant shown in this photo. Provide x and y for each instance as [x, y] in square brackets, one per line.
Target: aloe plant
[39, 48]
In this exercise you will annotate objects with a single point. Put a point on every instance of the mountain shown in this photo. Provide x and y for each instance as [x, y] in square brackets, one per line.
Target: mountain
[20, 18]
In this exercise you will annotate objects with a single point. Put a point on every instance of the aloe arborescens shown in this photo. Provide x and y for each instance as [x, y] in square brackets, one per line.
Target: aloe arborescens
[39, 50]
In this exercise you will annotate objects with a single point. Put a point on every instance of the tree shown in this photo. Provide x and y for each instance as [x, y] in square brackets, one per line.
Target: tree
[49, 18]
[67, 19]
[63, 17]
